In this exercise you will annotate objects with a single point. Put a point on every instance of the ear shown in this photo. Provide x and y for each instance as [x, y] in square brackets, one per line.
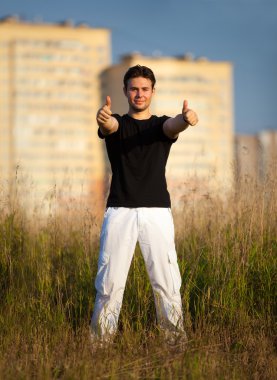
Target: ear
[125, 91]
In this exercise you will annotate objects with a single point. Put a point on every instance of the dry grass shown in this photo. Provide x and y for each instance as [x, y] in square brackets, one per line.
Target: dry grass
[227, 255]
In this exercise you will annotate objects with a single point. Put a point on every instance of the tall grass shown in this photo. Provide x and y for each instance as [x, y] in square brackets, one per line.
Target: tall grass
[227, 255]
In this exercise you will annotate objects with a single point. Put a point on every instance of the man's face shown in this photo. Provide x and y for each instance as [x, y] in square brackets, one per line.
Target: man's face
[139, 93]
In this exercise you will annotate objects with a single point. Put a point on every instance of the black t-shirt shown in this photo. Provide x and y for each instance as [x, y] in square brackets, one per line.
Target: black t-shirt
[138, 152]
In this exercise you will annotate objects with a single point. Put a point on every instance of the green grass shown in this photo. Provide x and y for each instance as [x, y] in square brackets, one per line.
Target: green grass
[227, 255]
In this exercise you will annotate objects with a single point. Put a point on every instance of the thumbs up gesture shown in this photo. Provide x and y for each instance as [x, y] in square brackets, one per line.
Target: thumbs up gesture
[104, 114]
[189, 116]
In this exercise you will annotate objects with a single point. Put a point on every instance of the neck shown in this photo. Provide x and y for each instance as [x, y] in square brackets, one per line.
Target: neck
[139, 115]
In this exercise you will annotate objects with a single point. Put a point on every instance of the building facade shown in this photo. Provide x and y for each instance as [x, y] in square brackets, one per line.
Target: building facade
[49, 95]
[247, 149]
[203, 156]
[268, 160]
[256, 156]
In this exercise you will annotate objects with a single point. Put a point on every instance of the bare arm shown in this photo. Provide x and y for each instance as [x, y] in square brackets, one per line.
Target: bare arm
[173, 126]
[106, 122]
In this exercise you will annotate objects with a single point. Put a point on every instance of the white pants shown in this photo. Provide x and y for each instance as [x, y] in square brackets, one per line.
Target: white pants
[154, 230]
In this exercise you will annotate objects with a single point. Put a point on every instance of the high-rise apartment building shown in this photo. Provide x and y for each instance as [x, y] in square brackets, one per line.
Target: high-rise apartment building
[203, 154]
[49, 95]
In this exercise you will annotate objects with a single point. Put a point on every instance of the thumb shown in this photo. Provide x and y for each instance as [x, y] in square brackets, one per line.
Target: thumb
[185, 106]
[108, 102]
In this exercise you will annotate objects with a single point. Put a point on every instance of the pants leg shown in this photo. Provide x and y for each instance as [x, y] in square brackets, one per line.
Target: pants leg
[119, 235]
[156, 239]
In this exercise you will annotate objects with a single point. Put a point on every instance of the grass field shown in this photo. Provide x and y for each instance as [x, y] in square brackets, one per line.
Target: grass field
[227, 253]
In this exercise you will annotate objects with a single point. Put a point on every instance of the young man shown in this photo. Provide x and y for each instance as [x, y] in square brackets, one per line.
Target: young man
[138, 206]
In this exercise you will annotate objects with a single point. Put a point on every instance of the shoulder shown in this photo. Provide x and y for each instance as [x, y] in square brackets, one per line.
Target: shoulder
[160, 119]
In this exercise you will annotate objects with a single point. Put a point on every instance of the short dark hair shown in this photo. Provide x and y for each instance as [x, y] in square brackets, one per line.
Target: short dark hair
[139, 71]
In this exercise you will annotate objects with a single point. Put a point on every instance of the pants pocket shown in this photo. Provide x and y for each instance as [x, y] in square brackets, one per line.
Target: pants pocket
[101, 284]
[174, 271]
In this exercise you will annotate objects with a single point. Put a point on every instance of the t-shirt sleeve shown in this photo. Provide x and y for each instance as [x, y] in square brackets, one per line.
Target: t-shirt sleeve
[165, 137]
[100, 134]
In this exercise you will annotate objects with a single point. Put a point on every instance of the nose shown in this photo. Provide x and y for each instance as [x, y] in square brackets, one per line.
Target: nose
[139, 93]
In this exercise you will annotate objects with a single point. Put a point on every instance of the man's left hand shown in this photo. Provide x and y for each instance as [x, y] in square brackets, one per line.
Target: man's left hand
[189, 115]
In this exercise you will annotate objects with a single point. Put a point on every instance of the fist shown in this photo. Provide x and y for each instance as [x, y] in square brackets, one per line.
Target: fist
[189, 115]
[105, 112]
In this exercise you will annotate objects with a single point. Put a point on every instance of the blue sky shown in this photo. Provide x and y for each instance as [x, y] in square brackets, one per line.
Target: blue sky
[241, 31]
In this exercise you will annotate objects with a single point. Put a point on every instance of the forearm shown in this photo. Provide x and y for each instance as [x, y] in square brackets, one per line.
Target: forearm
[175, 125]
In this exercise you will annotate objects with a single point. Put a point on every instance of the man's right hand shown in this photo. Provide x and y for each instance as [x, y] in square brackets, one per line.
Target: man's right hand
[107, 123]
[104, 114]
